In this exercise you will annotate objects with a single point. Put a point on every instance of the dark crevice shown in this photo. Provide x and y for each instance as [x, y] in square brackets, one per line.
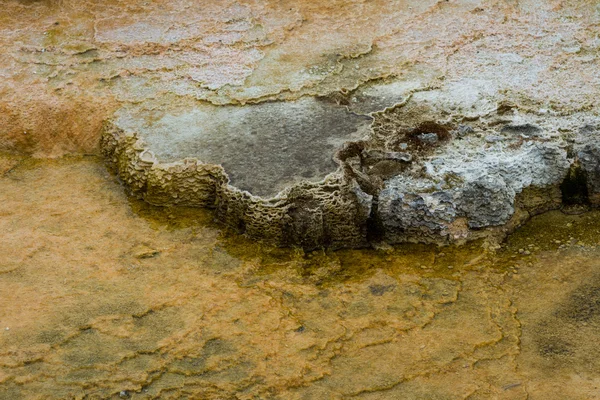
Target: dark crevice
[375, 229]
[574, 188]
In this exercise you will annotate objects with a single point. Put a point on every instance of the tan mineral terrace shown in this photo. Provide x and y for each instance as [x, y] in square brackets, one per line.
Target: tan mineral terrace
[273, 199]
[106, 297]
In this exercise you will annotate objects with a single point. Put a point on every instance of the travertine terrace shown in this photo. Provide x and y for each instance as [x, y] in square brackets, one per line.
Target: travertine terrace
[272, 91]
[306, 124]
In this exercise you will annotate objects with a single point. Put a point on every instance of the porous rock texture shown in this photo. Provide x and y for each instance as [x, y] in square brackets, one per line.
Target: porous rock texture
[477, 110]
[330, 212]
[420, 175]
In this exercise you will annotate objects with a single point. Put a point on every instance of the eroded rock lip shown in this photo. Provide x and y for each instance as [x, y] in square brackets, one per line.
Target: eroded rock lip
[263, 147]
[411, 173]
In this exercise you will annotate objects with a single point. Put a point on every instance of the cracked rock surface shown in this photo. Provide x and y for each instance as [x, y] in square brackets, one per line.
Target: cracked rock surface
[413, 172]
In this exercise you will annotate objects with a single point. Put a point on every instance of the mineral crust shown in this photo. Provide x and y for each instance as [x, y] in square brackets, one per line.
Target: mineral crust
[411, 172]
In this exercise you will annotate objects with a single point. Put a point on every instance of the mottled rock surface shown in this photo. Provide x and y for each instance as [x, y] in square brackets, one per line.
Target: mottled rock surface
[105, 297]
[487, 76]
[481, 111]
[418, 173]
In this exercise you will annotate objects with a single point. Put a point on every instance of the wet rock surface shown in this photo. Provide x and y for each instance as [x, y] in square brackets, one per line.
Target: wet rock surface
[86, 313]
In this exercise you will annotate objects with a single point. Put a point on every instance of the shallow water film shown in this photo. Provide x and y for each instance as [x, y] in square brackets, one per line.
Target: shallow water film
[107, 297]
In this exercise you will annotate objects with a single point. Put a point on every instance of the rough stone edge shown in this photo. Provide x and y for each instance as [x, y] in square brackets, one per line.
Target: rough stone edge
[336, 212]
[333, 212]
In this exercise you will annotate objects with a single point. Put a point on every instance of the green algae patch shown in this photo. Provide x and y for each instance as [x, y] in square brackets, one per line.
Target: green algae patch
[171, 217]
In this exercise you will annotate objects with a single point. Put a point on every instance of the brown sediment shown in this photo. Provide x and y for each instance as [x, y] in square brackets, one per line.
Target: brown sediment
[215, 316]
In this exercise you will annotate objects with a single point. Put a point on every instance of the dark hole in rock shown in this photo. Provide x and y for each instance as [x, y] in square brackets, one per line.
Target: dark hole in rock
[375, 228]
[427, 135]
[574, 187]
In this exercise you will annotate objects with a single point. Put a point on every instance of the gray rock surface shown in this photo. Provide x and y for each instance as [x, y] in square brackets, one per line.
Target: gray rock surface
[464, 182]
[313, 173]
[587, 149]
[263, 147]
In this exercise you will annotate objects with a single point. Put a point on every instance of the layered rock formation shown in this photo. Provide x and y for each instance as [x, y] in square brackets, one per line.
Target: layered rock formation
[420, 174]
[461, 118]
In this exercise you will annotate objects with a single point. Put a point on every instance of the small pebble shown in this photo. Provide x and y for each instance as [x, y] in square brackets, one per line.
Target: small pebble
[527, 252]
[450, 266]
[7, 328]
[428, 137]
